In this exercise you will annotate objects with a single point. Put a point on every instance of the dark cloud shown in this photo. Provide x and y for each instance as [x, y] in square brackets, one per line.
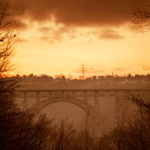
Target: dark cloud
[110, 34]
[74, 13]
[82, 12]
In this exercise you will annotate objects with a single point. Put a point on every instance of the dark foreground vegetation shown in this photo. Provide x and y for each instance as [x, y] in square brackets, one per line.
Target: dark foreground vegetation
[19, 130]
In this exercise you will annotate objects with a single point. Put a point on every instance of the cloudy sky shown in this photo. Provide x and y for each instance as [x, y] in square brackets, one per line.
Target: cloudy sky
[57, 36]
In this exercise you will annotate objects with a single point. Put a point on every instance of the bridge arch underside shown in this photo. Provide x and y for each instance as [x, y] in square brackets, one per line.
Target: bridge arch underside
[98, 118]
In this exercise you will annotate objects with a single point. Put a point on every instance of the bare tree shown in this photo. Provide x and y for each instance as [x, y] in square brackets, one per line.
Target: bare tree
[142, 17]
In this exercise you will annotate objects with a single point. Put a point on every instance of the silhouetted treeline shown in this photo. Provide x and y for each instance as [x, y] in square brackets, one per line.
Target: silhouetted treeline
[94, 77]
[96, 82]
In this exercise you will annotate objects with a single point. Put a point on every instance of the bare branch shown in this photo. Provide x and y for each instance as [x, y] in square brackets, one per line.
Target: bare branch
[142, 17]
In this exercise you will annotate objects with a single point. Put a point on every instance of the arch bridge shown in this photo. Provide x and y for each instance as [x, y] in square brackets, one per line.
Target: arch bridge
[86, 99]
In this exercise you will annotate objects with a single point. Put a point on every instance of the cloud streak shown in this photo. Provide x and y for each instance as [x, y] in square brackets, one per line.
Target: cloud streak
[110, 35]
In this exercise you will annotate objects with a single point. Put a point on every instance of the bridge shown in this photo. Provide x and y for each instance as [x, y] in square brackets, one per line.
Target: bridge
[86, 99]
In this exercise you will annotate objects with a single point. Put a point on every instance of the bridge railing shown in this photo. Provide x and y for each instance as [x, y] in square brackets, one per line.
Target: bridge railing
[81, 93]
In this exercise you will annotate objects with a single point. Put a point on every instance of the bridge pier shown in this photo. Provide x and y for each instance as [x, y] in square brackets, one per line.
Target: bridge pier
[25, 101]
[37, 97]
[85, 97]
[122, 108]
[96, 101]
[49, 94]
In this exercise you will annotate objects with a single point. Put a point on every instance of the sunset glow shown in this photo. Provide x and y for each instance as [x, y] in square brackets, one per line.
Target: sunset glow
[61, 41]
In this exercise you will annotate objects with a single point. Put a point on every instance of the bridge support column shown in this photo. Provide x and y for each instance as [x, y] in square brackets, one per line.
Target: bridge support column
[96, 101]
[50, 95]
[125, 109]
[37, 97]
[73, 93]
[25, 101]
[117, 110]
[85, 96]
[121, 109]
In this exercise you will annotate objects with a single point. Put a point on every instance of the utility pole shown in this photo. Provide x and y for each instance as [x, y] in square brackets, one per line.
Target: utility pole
[83, 71]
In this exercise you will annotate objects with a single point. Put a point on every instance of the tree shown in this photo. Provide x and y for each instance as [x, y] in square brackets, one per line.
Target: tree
[18, 130]
[142, 17]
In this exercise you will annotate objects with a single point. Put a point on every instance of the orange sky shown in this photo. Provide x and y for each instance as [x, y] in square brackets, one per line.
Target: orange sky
[58, 37]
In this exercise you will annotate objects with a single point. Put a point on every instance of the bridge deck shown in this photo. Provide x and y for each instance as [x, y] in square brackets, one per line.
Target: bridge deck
[81, 90]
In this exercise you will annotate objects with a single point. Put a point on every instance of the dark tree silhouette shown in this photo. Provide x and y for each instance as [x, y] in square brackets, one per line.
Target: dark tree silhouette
[142, 17]
[18, 130]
